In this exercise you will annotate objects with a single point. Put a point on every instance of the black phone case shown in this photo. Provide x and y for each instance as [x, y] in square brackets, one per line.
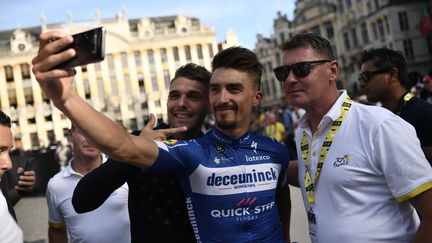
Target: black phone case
[28, 165]
[89, 47]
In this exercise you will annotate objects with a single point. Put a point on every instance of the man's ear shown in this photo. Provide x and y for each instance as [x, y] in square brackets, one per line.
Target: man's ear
[333, 71]
[257, 98]
[394, 72]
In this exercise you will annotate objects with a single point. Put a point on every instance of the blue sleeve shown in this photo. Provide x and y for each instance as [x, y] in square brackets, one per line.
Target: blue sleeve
[172, 158]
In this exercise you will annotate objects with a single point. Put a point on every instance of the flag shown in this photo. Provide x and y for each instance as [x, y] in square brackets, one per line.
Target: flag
[425, 21]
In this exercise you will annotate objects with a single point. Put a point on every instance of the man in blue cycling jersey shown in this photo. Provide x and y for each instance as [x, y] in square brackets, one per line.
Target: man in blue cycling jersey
[157, 207]
[230, 176]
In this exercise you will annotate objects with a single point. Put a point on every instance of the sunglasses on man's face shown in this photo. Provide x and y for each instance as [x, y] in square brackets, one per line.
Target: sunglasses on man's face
[300, 69]
[366, 76]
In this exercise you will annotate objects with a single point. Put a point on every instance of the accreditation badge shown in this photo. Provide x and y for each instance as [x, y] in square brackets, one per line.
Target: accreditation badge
[312, 225]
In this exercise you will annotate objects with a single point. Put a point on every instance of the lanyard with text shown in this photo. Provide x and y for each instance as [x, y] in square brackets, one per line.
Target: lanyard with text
[309, 185]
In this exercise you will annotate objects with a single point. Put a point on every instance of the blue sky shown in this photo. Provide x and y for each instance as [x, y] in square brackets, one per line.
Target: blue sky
[245, 17]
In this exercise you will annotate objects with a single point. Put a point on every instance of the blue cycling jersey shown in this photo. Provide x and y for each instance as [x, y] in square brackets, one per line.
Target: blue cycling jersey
[230, 184]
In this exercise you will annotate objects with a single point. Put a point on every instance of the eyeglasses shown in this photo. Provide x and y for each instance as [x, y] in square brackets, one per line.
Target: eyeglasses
[366, 76]
[300, 69]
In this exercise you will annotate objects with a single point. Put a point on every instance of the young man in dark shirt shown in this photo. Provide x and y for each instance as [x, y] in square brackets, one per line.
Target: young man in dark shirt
[157, 207]
[384, 79]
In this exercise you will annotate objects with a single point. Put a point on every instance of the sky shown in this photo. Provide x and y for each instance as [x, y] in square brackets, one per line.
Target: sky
[245, 17]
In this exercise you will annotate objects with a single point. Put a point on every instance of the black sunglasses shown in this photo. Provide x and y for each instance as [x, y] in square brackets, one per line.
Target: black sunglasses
[366, 76]
[300, 69]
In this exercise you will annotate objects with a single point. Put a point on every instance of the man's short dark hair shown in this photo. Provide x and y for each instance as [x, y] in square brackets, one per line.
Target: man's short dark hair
[387, 58]
[242, 59]
[194, 72]
[318, 43]
[4, 119]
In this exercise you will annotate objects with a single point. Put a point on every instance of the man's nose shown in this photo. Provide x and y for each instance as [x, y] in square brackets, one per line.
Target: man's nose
[224, 96]
[291, 77]
[182, 101]
[6, 162]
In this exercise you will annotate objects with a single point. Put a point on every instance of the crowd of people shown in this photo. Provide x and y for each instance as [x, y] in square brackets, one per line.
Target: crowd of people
[360, 181]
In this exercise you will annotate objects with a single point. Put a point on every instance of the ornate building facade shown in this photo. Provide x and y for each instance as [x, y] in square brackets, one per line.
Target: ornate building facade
[351, 26]
[141, 57]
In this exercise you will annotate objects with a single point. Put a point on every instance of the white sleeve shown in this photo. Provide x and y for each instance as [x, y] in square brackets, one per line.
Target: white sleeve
[9, 230]
[398, 153]
[55, 217]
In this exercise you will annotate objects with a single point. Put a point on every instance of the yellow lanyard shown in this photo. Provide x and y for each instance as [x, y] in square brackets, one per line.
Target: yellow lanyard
[408, 96]
[309, 185]
[403, 102]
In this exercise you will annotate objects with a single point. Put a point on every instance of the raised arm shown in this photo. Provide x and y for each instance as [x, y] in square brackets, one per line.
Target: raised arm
[109, 137]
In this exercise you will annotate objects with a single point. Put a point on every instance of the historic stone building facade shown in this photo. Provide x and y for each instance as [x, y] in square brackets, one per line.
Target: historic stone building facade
[351, 26]
[141, 56]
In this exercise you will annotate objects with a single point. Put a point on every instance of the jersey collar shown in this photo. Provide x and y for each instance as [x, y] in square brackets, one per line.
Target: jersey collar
[221, 138]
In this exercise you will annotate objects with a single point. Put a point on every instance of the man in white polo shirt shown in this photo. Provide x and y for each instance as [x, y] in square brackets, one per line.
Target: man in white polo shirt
[108, 223]
[361, 169]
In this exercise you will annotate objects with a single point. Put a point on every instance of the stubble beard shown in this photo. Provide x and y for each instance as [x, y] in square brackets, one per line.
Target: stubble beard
[224, 124]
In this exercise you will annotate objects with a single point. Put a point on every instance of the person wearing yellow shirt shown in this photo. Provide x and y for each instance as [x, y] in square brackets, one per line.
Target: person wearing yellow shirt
[274, 128]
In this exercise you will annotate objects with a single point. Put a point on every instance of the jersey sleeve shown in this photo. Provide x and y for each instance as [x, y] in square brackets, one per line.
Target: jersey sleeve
[397, 151]
[176, 157]
[55, 217]
[94, 188]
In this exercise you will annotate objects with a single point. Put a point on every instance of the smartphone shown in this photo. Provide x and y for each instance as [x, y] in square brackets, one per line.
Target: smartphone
[89, 46]
[28, 165]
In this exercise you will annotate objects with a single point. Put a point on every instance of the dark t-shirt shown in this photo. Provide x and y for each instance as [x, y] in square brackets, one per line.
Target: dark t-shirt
[418, 113]
[157, 207]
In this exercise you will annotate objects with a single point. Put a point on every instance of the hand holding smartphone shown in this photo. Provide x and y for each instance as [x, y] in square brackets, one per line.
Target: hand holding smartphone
[28, 166]
[89, 47]
[27, 183]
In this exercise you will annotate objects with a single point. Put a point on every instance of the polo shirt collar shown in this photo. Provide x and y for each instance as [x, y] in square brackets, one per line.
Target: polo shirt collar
[69, 171]
[330, 116]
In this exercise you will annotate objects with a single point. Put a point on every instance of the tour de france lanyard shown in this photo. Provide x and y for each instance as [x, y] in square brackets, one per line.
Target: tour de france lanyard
[309, 185]
[403, 101]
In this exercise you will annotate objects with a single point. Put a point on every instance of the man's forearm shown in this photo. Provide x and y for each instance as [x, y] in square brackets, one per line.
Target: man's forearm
[108, 136]
[284, 205]
[14, 196]
[424, 233]
[422, 203]
[57, 235]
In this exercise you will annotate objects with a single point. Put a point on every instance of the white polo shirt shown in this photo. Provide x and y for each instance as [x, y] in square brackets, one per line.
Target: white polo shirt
[374, 165]
[9, 230]
[108, 223]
